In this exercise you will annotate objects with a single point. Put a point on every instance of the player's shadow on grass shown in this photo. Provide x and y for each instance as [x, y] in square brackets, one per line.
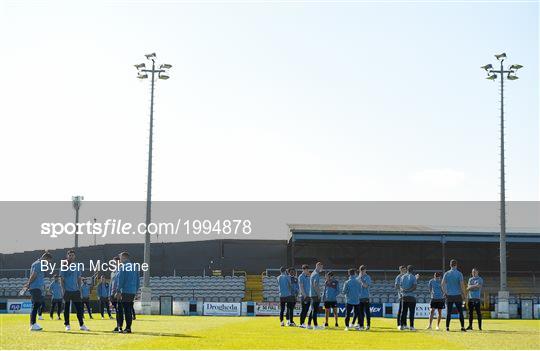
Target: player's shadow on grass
[72, 332]
[373, 330]
[147, 320]
[174, 335]
[498, 331]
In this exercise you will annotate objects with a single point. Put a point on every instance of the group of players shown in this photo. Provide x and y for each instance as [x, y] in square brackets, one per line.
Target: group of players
[70, 288]
[446, 290]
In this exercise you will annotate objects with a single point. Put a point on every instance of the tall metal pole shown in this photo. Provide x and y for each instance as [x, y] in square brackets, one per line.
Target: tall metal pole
[77, 227]
[146, 274]
[502, 241]
[94, 234]
[146, 291]
[503, 308]
[76, 203]
[443, 261]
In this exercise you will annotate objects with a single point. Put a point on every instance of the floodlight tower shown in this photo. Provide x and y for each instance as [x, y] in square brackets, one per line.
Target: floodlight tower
[493, 74]
[159, 73]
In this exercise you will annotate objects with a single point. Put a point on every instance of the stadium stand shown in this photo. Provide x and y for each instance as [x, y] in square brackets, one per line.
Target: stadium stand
[185, 270]
[187, 288]
[214, 289]
[237, 288]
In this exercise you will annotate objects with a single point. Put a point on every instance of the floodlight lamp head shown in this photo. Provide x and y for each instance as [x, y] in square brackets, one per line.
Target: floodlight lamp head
[165, 66]
[516, 67]
[492, 77]
[500, 56]
[486, 67]
[510, 77]
[76, 201]
[150, 56]
[140, 66]
[142, 76]
[163, 76]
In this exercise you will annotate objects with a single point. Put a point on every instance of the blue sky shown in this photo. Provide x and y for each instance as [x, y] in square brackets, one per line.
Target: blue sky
[267, 100]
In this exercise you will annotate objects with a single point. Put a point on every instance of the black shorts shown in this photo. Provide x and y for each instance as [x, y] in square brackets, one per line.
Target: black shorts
[364, 300]
[437, 303]
[56, 300]
[74, 296]
[330, 304]
[454, 298]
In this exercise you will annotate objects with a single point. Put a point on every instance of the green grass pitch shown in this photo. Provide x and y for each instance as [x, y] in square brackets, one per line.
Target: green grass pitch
[175, 332]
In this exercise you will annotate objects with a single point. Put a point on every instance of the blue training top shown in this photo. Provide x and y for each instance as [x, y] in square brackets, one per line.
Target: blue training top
[435, 289]
[331, 290]
[453, 280]
[284, 285]
[408, 285]
[397, 283]
[71, 277]
[351, 290]
[476, 293]
[364, 291]
[39, 281]
[314, 286]
[294, 286]
[128, 279]
[85, 290]
[56, 290]
[103, 289]
[304, 284]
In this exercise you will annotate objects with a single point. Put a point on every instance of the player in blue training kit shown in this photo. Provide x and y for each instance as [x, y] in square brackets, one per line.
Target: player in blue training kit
[128, 285]
[102, 291]
[86, 289]
[454, 289]
[397, 282]
[35, 285]
[113, 301]
[330, 293]
[475, 298]
[351, 291]
[303, 285]
[365, 282]
[408, 283]
[55, 288]
[315, 295]
[437, 299]
[71, 285]
[285, 294]
[295, 291]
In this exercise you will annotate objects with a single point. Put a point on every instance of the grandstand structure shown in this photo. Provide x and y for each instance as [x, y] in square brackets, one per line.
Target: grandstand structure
[425, 247]
[246, 270]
